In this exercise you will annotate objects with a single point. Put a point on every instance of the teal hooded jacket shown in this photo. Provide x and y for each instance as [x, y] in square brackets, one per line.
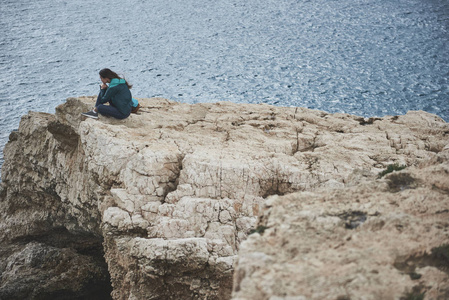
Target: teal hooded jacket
[118, 94]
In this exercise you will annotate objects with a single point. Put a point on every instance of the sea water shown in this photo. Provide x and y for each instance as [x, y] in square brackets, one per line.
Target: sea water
[363, 57]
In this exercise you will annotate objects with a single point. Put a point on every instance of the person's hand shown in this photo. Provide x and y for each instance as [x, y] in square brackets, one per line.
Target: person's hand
[104, 86]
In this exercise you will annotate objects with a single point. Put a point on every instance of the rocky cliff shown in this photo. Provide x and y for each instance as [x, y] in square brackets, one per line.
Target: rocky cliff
[220, 201]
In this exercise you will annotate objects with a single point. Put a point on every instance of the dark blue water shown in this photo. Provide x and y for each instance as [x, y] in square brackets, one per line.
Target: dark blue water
[368, 57]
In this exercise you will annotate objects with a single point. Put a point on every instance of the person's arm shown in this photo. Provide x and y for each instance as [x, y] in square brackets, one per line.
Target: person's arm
[102, 91]
[108, 94]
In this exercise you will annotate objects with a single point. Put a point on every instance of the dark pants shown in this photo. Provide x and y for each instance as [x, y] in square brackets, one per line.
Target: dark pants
[109, 110]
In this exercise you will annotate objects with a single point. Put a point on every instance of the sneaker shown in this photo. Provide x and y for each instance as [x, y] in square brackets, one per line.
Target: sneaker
[91, 114]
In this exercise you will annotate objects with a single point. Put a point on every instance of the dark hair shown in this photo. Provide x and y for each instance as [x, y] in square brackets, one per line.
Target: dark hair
[108, 73]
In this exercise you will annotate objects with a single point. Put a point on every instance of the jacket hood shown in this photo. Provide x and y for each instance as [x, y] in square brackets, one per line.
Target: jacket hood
[116, 81]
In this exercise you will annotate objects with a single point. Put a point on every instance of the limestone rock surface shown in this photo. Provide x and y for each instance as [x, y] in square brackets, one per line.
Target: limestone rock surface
[384, 239]
[160, 204]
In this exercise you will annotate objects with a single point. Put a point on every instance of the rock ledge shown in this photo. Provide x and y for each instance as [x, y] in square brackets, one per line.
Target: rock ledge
[161, 204]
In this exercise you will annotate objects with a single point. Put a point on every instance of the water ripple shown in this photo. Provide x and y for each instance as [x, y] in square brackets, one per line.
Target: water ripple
[369, 58]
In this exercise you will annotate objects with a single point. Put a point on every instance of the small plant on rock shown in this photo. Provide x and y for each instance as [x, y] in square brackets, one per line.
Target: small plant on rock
[391, 168]
[401, 181]
[260, 229]
[417, 293]
[441, 253]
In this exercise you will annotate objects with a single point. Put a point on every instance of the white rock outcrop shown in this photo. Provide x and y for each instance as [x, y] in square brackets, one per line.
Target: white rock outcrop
[168, 197]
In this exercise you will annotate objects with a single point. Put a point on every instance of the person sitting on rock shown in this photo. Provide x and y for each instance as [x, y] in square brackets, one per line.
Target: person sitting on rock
[117, 94]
